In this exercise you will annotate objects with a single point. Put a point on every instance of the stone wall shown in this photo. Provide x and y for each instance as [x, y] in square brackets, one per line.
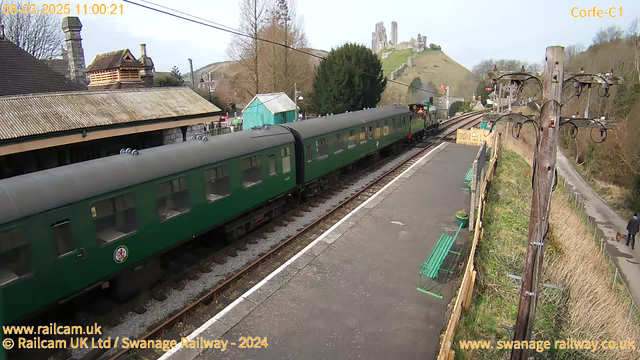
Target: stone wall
[171, 136]
[398, 72]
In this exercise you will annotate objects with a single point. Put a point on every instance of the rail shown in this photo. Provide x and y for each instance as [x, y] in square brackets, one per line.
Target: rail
[461, 121]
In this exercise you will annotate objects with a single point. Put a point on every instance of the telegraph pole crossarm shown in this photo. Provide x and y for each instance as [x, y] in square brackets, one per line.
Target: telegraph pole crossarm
[547, 125]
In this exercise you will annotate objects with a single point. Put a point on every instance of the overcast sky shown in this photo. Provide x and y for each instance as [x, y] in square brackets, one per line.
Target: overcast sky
[468, 31]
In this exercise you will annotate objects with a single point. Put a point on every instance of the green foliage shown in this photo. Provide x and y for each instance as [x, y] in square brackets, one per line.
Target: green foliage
[433, 46]
[174, 78]
[462, 214]
[344, 83]
[482, 92]
[175, 72]
[460, 106]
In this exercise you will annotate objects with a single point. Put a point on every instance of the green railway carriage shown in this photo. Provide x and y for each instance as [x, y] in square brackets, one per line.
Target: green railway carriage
[66, 229]
[327, 144]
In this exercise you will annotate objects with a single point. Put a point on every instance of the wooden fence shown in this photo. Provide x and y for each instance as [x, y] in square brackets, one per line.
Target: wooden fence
[464, 296]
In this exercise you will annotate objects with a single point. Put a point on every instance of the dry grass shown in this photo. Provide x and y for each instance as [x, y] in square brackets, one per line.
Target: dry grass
[588, 306]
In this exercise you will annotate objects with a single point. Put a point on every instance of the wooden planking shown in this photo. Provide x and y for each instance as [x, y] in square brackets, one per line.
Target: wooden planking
[465, 293]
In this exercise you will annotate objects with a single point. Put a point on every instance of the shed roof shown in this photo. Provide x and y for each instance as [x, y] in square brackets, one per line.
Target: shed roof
[37, 192]
[114, 60]
[275, 102]
[39, 114]
[332, 123]
[21, 73]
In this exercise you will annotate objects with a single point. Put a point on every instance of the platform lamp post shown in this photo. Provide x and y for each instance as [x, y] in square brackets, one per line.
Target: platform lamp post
[208, 83]
[297, 95]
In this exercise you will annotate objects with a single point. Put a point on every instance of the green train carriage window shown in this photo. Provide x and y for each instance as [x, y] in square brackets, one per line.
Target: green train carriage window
[352, 139]
[172, 198]
[323, 148]
[218, 183]
[272, 165]
[63, 237]
[114, 218]
[251, 171]
[363, 135]
[286, 160]
[385, 129]
[338, 145]
[15, 257]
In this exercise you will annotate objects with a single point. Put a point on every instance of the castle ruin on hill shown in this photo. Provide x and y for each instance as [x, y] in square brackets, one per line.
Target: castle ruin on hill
[379, 40]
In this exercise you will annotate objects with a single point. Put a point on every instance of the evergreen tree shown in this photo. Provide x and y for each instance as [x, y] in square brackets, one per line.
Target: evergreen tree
[344, 80]
[176, 73]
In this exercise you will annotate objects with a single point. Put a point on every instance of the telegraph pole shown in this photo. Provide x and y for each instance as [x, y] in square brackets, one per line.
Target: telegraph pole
[544, 174]
[193, 82]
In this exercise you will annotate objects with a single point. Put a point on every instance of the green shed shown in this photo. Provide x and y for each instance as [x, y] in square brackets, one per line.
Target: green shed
[268, 109]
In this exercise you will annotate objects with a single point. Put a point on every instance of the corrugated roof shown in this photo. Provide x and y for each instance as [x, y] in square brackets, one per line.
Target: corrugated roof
[22, 116]
[275, 102]
[21, 73]
[113, 60]
[40, 191]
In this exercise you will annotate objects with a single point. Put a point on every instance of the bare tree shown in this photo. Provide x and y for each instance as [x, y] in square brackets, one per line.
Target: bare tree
[633, 38]
[283, 66]
[571, 52]
[39, 35]
[246, 50]
[483, 68]
[609, 34]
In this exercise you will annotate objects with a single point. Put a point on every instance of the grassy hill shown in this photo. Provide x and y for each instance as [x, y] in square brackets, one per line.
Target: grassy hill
[430, 66]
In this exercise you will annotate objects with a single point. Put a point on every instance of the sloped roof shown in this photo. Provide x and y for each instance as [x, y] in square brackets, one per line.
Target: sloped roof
[332, 123]
[31, 115]
[113, 60]
[58, 65]
[40, 191]
[275, 102]
[21, 73]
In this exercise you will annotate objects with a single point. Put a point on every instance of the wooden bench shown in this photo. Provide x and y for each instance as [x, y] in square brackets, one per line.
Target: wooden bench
[433, 266]
[467, 179]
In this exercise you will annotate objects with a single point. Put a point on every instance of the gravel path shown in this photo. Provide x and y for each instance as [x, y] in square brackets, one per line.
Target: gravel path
[134, 325]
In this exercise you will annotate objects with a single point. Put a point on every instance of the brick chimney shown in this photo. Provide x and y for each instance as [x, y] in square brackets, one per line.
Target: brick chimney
[147, 73]
[71, 27]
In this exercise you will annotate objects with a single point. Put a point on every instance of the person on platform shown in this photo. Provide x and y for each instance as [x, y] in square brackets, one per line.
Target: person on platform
[632, 228]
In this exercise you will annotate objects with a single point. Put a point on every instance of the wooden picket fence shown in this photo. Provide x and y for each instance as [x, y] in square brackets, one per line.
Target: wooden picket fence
[464, 296]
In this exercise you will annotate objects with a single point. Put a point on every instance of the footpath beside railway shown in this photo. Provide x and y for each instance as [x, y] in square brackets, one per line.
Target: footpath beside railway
[352, 292]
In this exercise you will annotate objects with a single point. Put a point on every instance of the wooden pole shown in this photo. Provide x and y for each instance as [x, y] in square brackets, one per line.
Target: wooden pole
[544, 174]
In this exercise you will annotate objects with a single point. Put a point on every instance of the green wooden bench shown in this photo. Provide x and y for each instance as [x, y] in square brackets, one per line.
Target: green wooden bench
[467, 179]
[433, 266]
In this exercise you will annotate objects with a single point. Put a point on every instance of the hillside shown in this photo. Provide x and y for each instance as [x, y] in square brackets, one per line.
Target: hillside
[430, 66]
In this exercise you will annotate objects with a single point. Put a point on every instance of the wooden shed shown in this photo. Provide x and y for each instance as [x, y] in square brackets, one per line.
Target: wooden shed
[268, 109]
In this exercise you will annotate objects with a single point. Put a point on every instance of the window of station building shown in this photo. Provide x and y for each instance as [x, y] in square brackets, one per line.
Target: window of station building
[251, 171]
[272, 165]
[173, 198]
[377, 130]
[323, 148]
[114, 218]
[363, 135]
[338, 145]
[385, 129]
[286, 160]
[62, 237]
[352, 139]
[218, 183]
[309, 154]
[15, 258]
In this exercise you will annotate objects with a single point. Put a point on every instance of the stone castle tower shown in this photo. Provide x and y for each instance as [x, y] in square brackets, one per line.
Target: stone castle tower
[394, 34]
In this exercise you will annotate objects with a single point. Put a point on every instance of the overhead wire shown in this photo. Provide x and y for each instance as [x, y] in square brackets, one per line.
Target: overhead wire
[237, 32]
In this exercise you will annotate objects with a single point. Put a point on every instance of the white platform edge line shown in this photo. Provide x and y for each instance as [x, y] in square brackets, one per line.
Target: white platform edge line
[257, 286]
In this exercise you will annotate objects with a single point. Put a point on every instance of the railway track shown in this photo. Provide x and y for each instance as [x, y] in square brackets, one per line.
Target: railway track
[194, 261]
[226, 292]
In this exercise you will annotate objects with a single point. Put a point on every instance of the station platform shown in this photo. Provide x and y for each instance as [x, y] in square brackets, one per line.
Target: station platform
[352, 292]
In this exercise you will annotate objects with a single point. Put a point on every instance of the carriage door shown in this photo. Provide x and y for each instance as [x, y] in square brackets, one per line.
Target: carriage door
[66, 251]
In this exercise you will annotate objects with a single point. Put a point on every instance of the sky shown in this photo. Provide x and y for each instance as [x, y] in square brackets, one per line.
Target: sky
[468, 31]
